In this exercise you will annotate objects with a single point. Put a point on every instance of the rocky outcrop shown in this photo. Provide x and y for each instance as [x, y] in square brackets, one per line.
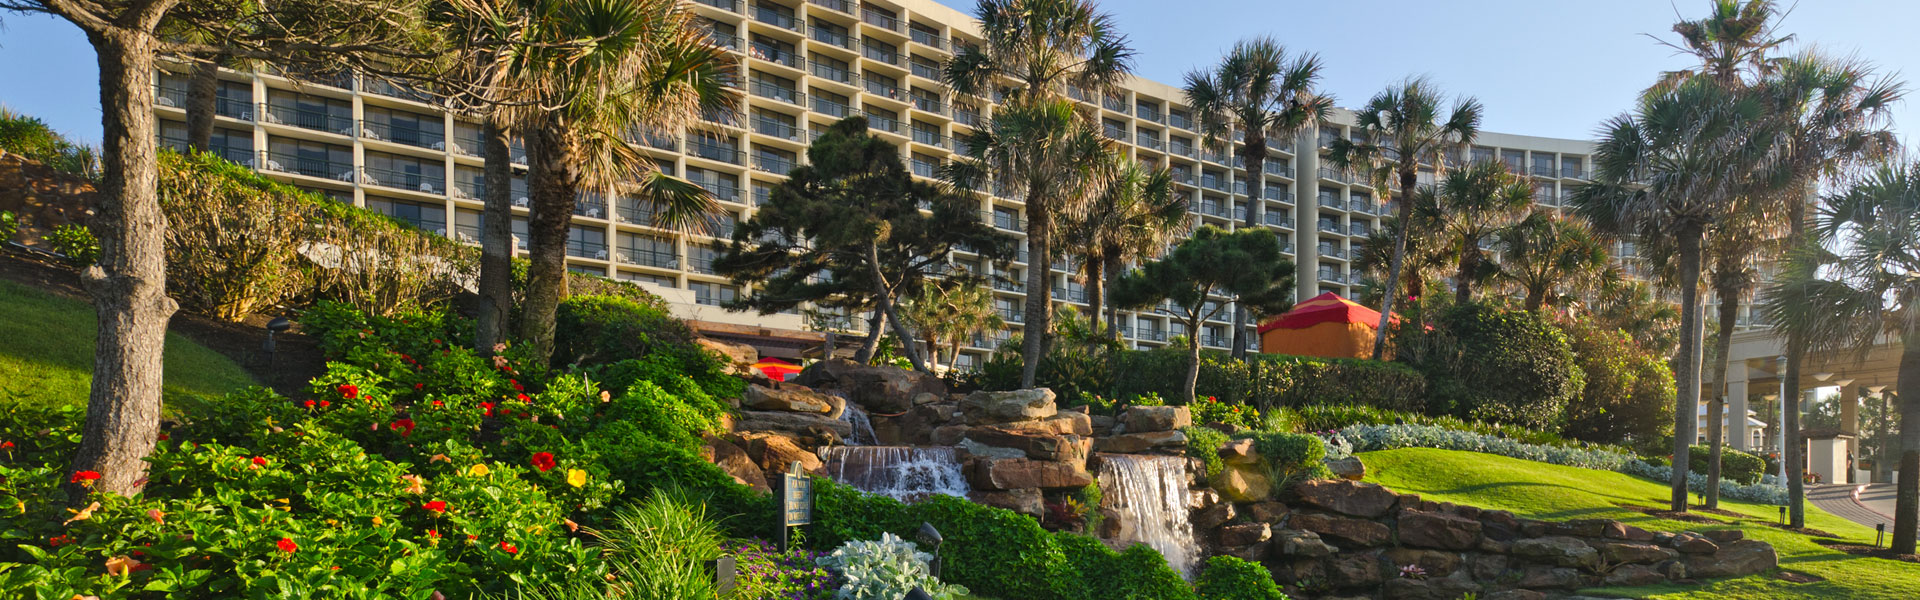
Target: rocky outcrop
[883, 390]
[1142, 419]
[1018, 473]
[987, 408]
[790, 398]
[1347, 497]
[811, 425]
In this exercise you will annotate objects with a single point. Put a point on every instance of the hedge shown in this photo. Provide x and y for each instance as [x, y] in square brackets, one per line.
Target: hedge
[1270, 381]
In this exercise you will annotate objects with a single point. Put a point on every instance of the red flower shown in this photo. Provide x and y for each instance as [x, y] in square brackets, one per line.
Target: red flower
[486, 408]
[325, 403]
[524, 398]
[259, 461]
[6, 445]
[286, 545]
[59, 540]
[543, 461]
[403, 426]
[438, 507]
[433, 533]
[80, 476]
[516, 385]
[348, 390]
[509, 548]
[436, 342]
[308, 404]
[419, 386]
[439, 403]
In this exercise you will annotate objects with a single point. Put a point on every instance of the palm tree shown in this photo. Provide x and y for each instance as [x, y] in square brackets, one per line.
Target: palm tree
[1630, 306]
[1472, 206]
[1734, 45]
[1852, 287]
[1544, 254]
[1675, 167]
[949, 312]
[1425, 260]
[1038, 143]
[1403, 128]
[1259, 91]
[1138, 214]
[650, 68]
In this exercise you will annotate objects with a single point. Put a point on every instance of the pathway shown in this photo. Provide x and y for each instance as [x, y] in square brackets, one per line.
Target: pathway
[1867, 504]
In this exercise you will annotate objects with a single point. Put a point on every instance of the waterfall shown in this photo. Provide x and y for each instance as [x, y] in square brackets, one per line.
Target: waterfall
[899, 472]
[1149, 495]
[856, 417]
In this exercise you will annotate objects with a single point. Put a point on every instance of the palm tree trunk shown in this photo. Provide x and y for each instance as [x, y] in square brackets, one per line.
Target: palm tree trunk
[496, 242]
[1717, 403]
[1193, 353]
[953, 357]
[1039, 305]
[1254, 163]
[202, 91]
[555, 185]
[1687, 369]
[129, 282]
[1112, 271]
[1790, 400]
[883, 293]
[1906, 508]
[1408, 178]
[1096, 291]
[871, 344]
[1469, 260]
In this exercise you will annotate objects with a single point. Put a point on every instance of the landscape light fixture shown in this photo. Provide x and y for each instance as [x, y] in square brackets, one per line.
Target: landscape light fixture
[918, 594]
[1877, 388]
[930, 537]
[1823, 375]
[275, 326]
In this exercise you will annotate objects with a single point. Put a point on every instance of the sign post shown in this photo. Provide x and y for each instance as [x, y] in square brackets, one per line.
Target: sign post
[796, 502]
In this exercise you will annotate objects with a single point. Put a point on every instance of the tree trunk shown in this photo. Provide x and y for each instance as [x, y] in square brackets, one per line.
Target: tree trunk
[1192, 378]
[883, 293]
[1906, 507]
[1469, 262]
[202, 93]
[953, 357]
[496, 242]
[870, 345]
[1717, 402]
[1254, 161]
[1408, 178]
[1096, 292]
[1687, 370]
[1112, 271]
[1039, 304]
[1790, 397]
[554, 186]
[129, 282]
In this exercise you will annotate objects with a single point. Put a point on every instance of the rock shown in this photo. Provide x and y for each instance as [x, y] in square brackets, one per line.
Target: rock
[1538, 577]
[799, 423]
[1438, 530]
[949, 435]
[987, 408]
[1213, 516]
[1300, 570]
[1633, 576]
[774, 453]
[1516, 595]
[973, 448]
[1243, 484]
[1439, 588]
[1135, 443]
[797, 399]
[1499, 525]
[880, 389]
[1102, 424]
[1251, 552]
[1143, 419]
[1673, 569]
[1348, 468]
[1238, 452]
[734, 461]
[1267, 512]
[1294, 542]
[1557, 550]
[1202, 498]
[1243, 534]
[1633, 552]
[1634, 534]
[1354, 570]
[1061, 423]
[1737, 559]
[1036, 445]
[927, 398]
[1434, 562]
[1724, 536]
[1688, 543]
[1016, 473]
[1587, 528]
[1026, 501]
[1346, 497]
[1358, 532]
[738, 354]
[1487, 567]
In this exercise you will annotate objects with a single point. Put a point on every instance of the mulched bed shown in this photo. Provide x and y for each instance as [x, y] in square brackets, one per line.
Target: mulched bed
[1860, 550]
[1798, 577]
[1718, 511]
[1809, 531]
[1672, 515]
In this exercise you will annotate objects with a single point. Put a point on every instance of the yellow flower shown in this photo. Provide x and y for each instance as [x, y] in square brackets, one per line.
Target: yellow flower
[576, 477]
[378, 521]
[479, 470]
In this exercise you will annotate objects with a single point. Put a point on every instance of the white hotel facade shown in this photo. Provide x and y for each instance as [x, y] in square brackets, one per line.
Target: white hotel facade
[805, 65]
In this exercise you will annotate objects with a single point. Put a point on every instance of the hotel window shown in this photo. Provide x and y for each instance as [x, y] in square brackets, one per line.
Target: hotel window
[587, 243]
[1483, 154]
[659, 280]
[428, 217]
[713, 294]
[830, 104]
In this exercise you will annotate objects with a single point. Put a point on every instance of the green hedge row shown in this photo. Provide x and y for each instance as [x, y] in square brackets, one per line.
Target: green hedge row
[1271, 381]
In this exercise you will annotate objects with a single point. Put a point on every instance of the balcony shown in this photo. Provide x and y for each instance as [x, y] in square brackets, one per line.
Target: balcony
[1279, 219]
[776, 128]
[1213, 182]
[845, 6]
[925, 169]
[1009, 286]
[721, 190]
[836, 72]
[1150, 334]
[1212, 209]
[727, 5]
[417, 181]
[966, 117]
[1005, 220]
[1149, 113]
[648, 258]
[882, 123]
[1335, 175]
[585, 249]
[1149, 141]
[1543, 171]
[927, 38]
[1012, 315]
[1279, 168]
[930, 138]
[1363, 206]
[1326, 201]
[926, 71]
[173, 95]
[467, 145]
[773, 16]
[830, 107]
[308, 119]
[719, 152]
[1070, 295]
[1331, 277]
[1277, 192]
[1571, 172]
[1358, 229]
[834, 36]
[281, 162]
[409, 135]
[233, 107]
[772, 54]
[773, 163]
[880, 53]
[878, 19]
[1180, 120]
[1331, 227]
[884, 87]
[376, 85]
[788, 95]
[932, 105]
[590, 208]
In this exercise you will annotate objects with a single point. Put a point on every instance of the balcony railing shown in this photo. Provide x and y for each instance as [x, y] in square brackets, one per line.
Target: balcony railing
[776, 128]
[1005, 221]
[648, 258]
[1070, 295]
[1364, 206]
[308, 119]
[1278, 168]
[771, 16]
[877, 19]
[1357, 229]
[926, 71]
[233, 107]
[773, 163]
[1278, 219]
[1330, 227]
[1179, 120]
[1149, 113]
[1150, 334]
[1149, 140]
[930, 138]
[835, 72]
[882, 123]
[402, 134]
[845, 6]
[1334, 174]
[880, 53]
[1543, 171]
[417, 181]
[281, 162]
[1575, 173]
[717, 152]
[775, 91]
[721, 190]
[169, 95]
[967, 117]
[586, 250]
[834, 108]
[732, 5]
[770, 53]
[885, 88]
[927, 38]
[932, 105]
[1274, 192]
[596, 209]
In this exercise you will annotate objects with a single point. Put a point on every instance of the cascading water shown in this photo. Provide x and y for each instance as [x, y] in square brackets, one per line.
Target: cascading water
[898, 472]
[1149, 494]
[858, 421]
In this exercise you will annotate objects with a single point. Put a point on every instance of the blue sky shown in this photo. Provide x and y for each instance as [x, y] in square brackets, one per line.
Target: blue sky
[1543, 67]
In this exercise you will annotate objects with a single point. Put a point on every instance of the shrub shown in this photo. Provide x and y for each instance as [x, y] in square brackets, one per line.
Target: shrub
[30, 137]
[75, 244]
[1136, 572]
[1741, 467]
[9, 225]
[1493, 365]
[660, 548]
[1292, 457]
[1629, 391]
[884, 569]
[1204, 443]
[1069, 369]
[1315, 419]
[1230, 578]
[1209, 409]
[233, 246]
[1270, 381]
[595, 330]
[661, 416]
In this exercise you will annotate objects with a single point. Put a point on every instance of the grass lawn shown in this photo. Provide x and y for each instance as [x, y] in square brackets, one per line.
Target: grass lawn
[46, 353]
[1544, 491]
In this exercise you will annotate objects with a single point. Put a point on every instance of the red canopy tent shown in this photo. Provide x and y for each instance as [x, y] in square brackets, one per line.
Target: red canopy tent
[776, 369]
[1325, 325]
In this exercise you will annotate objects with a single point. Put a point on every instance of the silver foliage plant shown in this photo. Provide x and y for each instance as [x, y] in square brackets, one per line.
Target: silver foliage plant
[884, 569]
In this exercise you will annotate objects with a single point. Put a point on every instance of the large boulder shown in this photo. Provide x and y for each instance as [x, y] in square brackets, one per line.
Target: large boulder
[1027, 501]
[774, 452]
[1298, 543]
[1632, 576]
[738, 354]
[1444, 531]
[1238, 452]
[1740, 558]
[1141, 419]
[1135, 443]
[792, 398]
[1347, 497]
[1034, 445]
[1354, 570]
[1348, 468]
[987, 408]
[879, 389]
[734, 461]
[1633, 552]
[790, 422]
[1065, 422]
[1242, 483]
[1558, 551]
[1017, 473]
[1357, 532]
[1243, 534]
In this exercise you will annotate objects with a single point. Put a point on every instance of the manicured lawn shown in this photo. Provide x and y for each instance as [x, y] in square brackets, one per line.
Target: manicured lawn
[46, 352]
[1544, 491]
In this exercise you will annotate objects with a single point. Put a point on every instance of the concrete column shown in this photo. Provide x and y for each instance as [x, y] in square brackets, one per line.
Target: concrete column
[1850, 424]
[1736, 431]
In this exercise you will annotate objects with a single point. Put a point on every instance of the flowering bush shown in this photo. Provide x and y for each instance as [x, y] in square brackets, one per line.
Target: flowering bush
[884, 569]
[765, 572]
[1210, 409]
